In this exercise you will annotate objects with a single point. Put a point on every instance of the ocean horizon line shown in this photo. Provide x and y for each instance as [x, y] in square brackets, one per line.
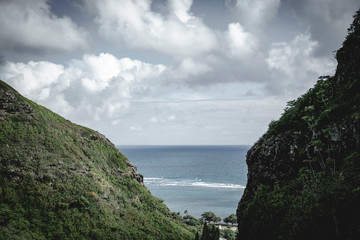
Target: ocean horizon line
[183, 145]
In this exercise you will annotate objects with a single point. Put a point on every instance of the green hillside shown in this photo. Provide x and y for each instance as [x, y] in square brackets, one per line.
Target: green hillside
[304, 173]
[60, 180]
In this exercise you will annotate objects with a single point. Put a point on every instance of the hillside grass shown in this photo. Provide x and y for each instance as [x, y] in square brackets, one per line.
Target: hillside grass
[60, 180]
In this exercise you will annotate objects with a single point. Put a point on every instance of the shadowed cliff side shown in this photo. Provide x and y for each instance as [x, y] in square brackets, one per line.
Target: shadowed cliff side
[63, 181]
[304, 172]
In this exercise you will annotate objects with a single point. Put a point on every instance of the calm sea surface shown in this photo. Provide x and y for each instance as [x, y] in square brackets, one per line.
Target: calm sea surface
[193, 178]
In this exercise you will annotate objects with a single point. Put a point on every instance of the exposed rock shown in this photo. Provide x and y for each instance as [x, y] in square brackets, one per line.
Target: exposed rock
[106, 195]
[304, 174]
[10, 104]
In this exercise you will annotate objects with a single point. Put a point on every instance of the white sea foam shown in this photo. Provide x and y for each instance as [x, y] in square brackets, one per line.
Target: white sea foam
[217, 185]
[166, 182]
[152, 179]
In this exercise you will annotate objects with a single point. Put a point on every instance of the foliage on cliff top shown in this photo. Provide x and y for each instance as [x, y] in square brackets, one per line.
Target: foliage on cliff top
[63, 181]
[304, 173]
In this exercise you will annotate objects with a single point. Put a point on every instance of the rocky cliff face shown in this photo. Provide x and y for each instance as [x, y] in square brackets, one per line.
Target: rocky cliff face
[63, 181]
[304, 173]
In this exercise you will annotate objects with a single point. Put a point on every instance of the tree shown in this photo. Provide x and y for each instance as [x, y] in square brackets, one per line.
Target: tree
[210, 232]
[205, 233]
[197, 236]
[231, 219]
[215, 233]
[190, 220]
[229, 234]
[211, 217]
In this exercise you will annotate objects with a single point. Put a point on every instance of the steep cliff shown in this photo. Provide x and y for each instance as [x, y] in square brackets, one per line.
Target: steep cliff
[304, 172]
[63, 181]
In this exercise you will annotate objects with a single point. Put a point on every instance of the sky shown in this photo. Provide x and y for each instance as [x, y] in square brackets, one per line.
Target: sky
[176, 72]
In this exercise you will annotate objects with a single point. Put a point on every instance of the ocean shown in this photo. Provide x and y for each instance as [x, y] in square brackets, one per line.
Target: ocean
[193, 178]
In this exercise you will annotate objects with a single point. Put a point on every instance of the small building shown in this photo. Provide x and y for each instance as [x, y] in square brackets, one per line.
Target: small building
[223, 226]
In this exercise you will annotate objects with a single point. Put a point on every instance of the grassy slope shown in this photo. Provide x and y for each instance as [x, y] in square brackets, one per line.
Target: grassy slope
[63, 181]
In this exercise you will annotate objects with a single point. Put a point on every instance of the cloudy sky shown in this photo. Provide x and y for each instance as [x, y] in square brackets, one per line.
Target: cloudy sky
[170, 72]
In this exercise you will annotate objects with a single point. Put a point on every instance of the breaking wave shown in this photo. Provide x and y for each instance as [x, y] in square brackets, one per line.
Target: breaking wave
[168, 182]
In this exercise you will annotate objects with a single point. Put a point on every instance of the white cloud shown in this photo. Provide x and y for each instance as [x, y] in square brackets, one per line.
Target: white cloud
[296, 57]
[181, 9]
[30, 25]
[241, 43]
[102, 69]
[188, 68]
[95, 88]
[137, 128]
[32, 79]
[202, 122]
[179, 33]
[172, 117]
[296, 63]
[153, 120]
[326, 20]
[256, 48]
[255, 13]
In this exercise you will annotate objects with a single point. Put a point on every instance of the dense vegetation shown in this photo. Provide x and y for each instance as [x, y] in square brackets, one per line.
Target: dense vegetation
[206, 225]
[210, 232]
[63, 181]
[304, 173]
